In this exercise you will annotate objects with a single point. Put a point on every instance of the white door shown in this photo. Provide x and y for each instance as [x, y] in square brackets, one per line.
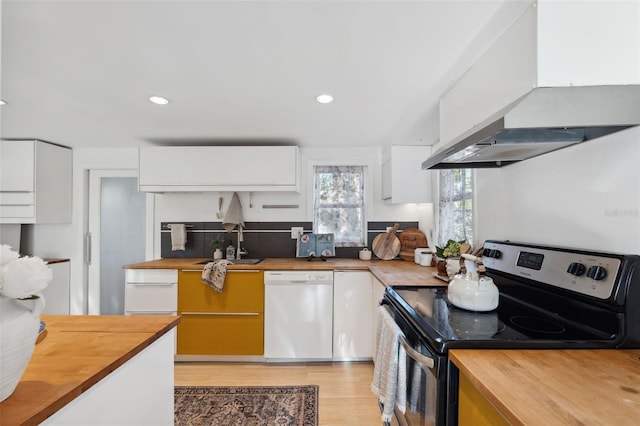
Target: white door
[116, 237]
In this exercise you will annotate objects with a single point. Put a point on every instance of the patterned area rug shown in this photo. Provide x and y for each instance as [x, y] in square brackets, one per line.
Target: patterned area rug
[246, 406]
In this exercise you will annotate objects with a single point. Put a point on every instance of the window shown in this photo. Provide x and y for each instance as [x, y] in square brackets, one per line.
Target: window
[455, 216]
[338, 204]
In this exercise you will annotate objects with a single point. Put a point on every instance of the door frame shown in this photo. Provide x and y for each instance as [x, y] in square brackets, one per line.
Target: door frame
[92, 237]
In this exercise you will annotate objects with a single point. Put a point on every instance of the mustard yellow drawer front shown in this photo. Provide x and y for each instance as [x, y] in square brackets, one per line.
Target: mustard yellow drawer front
[221, 334]
[243, 292]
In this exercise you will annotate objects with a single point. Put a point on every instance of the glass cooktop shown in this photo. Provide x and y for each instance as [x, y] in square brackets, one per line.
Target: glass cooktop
[511, 325]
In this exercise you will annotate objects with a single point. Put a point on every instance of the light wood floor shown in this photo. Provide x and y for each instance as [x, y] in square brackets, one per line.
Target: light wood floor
[345, 397]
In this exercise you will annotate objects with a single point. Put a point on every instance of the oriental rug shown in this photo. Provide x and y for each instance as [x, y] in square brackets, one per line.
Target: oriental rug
[246, 406]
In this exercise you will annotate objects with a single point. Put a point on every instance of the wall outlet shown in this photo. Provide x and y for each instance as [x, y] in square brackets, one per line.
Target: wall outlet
[295, 231]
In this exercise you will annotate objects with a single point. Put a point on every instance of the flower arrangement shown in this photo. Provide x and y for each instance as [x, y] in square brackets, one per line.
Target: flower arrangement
[451, 249]
[22, 277]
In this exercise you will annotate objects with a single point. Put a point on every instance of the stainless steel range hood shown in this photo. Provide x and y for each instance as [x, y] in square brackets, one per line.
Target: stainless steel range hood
[544, 120]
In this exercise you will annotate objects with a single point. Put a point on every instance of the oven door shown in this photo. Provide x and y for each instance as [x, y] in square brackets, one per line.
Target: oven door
[426, 374]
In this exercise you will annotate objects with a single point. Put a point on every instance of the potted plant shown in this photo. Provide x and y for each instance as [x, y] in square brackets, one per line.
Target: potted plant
[451, 251]
[217, 244]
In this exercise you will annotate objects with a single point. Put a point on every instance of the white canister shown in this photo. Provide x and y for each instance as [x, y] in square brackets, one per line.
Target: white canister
[364, 254]
[417, 252]
[425, 258]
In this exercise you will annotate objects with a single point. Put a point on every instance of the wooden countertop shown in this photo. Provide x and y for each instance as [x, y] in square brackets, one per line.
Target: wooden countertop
[559, 387]
[77, 352]
[389, 272]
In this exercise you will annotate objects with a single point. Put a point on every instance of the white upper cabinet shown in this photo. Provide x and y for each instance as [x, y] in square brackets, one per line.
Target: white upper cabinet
[219, 168]
[403, 180]
[560, 44]
[35, 182]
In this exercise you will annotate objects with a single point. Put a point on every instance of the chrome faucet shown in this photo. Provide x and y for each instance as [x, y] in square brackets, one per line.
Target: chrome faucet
[240, 251]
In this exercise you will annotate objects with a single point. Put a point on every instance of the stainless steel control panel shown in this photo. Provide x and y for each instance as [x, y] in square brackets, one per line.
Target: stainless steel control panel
[590, 274]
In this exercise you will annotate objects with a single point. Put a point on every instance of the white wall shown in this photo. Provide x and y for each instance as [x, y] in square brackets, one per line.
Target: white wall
[585, 196]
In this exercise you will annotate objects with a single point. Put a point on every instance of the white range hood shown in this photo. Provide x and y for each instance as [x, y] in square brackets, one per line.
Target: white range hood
[565, 72]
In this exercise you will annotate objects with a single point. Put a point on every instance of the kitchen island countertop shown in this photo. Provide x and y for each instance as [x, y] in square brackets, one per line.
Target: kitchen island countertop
[559, 387]
[389, 272]
[76, 354]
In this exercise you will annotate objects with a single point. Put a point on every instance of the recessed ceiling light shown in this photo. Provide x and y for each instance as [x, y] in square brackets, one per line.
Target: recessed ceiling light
[159, 100]
[2, 102]
[324, 98]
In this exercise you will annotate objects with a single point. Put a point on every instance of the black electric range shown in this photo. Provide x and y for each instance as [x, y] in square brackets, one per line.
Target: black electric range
[550, 297]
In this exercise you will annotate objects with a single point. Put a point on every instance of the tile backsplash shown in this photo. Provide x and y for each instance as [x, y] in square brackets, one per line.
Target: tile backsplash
[261, 239]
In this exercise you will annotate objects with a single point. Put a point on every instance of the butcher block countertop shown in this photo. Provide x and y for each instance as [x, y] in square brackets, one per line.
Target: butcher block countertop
[77, 352]
[558, 387]
[389, 272]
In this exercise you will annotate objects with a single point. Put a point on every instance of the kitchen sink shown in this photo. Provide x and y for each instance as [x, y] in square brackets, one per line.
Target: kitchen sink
[235, 261]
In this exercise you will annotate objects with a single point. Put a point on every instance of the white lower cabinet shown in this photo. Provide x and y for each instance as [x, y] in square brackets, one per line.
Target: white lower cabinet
[57, 294]
[352, 325]
[139, 392]
[151, 292]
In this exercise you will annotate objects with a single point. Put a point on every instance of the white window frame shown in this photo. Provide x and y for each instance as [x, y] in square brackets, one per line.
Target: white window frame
[368, 189]
[446, 234]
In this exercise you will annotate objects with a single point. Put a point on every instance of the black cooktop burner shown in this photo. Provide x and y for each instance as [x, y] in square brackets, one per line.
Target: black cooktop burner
[511, 325]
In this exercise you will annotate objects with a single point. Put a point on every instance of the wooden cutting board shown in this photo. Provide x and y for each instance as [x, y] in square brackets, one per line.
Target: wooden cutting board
[411, 239]
[386, 245]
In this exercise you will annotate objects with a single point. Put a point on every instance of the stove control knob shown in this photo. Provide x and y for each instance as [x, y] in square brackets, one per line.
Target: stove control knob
[492, 253]
[576, 269]
[597, 273]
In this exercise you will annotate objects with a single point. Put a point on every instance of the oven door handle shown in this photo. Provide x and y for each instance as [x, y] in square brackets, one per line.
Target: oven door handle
[417, 356]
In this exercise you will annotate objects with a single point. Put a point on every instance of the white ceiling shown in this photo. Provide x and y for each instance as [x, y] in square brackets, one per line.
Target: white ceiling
[79, 73]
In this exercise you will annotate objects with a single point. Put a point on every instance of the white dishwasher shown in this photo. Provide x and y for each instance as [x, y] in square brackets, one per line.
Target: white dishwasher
[298, 315]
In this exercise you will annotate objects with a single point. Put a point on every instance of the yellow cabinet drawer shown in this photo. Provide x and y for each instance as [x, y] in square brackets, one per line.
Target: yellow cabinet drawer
[243, 292]
[221, 334]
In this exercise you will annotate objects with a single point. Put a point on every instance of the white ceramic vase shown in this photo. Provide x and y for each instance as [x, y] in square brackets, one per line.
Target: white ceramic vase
[19, 327]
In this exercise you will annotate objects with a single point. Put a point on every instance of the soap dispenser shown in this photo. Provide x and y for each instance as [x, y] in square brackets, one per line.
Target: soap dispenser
[231, 252]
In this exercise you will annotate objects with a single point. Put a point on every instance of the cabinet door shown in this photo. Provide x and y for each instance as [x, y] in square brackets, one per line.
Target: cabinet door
[35, 182]
[219, 333]
[227, 323]
[352, 328]
[56, 295]
[17, 166]
[403, 180]
[219, 168]
[473, 408]
[151, 291]
[243, 291]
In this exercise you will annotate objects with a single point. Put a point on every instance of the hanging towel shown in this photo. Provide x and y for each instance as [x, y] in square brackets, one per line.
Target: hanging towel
[178, 236]
[389, 373]
[233, 216]
[214, 274]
